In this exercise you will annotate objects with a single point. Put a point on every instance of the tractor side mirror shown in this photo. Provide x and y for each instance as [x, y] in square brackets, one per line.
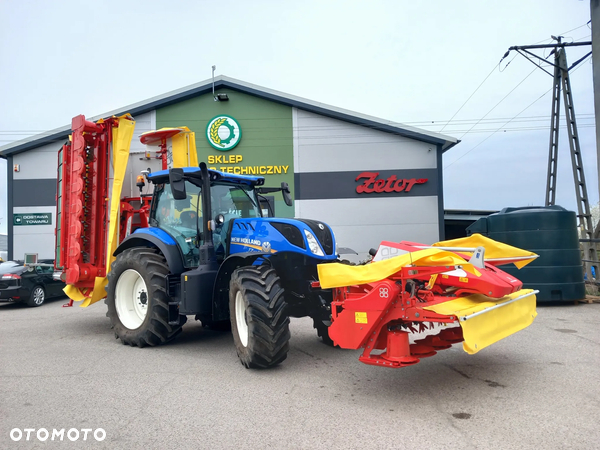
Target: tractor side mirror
[287, 196]
[177, 183]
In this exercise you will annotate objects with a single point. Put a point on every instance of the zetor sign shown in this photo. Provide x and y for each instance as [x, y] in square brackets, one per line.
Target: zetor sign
[372, 184]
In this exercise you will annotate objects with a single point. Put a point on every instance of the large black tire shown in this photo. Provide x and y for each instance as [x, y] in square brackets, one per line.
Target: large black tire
[259, 323]
[148, 268]
[37, 296]
[323, 332]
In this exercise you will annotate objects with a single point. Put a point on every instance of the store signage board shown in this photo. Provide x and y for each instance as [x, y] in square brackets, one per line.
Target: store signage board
[32, 219]
[393, 184]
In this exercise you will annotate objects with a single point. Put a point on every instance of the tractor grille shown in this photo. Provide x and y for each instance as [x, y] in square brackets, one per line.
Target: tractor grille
[291, 233]
[324, 235]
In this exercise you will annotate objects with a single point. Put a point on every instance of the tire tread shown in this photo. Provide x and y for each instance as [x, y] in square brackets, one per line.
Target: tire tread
[268, 325]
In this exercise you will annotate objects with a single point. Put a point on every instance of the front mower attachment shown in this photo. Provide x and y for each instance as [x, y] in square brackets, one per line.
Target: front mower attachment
[386, 300]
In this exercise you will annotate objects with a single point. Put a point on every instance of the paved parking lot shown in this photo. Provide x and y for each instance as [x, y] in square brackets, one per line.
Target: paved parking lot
[62, 368]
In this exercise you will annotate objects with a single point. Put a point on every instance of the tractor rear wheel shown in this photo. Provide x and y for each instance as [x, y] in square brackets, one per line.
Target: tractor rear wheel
[136, 298]
[259, 323]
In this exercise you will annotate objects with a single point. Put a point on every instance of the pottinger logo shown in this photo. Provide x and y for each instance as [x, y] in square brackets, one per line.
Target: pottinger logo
[223, 133]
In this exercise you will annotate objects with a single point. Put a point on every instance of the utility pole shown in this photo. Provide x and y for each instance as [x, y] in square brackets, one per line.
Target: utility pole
[595, 20]
[562, 81]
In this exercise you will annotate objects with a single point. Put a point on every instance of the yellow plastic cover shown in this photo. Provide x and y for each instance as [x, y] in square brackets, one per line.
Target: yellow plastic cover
[184, 149]
[493, 249]
[339, 275]
[490, 326]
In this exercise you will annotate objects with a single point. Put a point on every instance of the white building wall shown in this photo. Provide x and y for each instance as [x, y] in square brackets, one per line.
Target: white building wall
[325, 145]
[37, 172]
[39, 163]
[329, 145]
[34, 238]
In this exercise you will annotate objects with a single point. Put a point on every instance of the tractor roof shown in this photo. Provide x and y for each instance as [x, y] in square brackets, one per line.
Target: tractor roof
[162, 176]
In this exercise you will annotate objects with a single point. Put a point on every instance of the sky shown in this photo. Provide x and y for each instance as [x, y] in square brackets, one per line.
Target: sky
[411, 62]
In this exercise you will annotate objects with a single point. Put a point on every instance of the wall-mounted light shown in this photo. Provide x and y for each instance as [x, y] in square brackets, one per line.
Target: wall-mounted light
[217, 97]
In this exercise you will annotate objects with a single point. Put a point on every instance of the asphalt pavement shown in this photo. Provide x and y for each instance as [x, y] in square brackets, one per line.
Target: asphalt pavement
[62, 368]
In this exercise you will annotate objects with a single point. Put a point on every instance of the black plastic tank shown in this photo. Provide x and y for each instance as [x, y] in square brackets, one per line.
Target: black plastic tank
[549, 231]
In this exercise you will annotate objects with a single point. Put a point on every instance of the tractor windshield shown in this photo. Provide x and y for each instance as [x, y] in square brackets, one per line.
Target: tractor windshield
[182, 219]
[232, 201]
[179, 218]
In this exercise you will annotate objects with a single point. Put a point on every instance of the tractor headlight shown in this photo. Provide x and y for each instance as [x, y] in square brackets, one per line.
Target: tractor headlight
[313, 244]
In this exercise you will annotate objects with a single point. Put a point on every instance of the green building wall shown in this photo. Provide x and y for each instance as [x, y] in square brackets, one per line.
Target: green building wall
[266, 147]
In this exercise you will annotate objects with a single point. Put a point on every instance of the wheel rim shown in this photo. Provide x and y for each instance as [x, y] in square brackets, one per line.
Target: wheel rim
[240, 318]
[38, 296]
[131, 299]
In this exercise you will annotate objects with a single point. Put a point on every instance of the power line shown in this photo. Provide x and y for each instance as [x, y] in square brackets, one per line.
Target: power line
[535, 101]
[431, 123]
[531, 104]
[581, 26]
[466, 101]
[504, 98]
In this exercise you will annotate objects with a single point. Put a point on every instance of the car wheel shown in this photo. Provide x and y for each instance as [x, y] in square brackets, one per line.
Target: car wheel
[37, 296]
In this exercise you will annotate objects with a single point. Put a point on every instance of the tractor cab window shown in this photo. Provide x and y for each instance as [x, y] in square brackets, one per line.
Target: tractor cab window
[182, 219]
[232, 202]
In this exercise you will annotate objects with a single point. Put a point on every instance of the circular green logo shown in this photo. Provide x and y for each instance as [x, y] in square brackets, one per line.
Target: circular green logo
[223, 132]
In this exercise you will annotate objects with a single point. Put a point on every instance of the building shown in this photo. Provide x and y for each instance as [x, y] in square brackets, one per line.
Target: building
[457, 221]
[368, 178]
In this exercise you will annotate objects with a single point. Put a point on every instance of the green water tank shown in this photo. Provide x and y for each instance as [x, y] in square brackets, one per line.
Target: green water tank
[549, 231]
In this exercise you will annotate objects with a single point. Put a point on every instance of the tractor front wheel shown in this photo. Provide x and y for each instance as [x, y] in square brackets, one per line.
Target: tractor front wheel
[259, 323]
[136, 298]
[323, 332]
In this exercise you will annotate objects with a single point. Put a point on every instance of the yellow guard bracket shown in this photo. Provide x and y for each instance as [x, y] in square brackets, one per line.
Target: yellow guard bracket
[339, 275]
[490, 326]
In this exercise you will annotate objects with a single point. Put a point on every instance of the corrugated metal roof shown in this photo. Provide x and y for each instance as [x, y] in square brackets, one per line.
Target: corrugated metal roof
[221, 82]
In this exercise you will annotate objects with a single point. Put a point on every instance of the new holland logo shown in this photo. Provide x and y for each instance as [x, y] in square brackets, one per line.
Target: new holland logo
[223, 133]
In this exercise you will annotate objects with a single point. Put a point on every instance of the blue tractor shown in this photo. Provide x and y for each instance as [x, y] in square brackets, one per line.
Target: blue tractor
[210, 253]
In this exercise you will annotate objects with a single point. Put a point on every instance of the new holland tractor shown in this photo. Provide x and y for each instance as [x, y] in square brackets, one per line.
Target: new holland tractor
[202, 248]
[220, 261]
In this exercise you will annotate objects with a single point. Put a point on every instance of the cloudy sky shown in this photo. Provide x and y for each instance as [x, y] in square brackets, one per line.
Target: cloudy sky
[410, 62]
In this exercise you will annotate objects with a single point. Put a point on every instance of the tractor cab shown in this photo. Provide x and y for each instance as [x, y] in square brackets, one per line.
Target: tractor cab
[196, 207]
[180, 211]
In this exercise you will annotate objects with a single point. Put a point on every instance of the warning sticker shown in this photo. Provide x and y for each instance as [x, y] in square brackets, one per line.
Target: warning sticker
[463, 280]
[360, 317]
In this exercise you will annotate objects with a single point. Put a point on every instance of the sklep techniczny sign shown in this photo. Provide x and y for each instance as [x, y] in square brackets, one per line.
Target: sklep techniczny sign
[223, 133]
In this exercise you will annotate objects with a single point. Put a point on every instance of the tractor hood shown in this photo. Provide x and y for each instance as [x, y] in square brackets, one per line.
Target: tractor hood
[311, 238]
